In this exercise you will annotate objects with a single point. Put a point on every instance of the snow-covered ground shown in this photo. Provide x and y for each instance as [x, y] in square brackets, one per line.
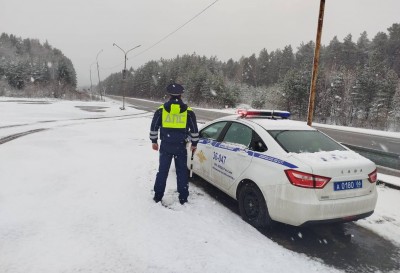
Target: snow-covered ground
[77, 197]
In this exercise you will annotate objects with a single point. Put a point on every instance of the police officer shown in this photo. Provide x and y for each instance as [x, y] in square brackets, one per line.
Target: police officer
[176, 122]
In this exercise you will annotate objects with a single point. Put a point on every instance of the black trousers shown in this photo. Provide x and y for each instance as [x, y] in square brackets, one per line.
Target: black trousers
[179, 154]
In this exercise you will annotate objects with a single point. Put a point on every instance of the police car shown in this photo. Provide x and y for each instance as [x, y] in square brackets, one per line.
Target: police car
[284, 170]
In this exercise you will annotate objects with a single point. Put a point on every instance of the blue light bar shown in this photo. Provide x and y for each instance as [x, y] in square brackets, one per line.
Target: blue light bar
[263, 113]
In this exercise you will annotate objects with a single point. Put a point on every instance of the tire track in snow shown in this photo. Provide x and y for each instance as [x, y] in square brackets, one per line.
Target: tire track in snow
[15, 136]
[76, 119]
[21, 134]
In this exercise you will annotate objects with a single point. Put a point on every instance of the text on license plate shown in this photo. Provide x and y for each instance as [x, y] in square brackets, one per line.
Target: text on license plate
[347, 185]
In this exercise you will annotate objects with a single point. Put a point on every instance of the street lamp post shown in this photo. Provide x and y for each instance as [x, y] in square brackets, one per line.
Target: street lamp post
[98, 73]
[91, 84]
[124, 73]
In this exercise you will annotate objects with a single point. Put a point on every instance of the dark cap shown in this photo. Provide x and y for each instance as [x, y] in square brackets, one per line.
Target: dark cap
[175, 89]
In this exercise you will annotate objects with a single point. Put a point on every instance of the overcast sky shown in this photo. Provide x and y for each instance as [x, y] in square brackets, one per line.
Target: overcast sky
[228, 29]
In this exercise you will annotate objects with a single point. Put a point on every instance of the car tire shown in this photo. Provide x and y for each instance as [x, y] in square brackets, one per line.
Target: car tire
[253, 207]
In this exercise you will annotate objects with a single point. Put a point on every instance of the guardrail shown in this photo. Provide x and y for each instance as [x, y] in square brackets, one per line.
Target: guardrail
[390, 162]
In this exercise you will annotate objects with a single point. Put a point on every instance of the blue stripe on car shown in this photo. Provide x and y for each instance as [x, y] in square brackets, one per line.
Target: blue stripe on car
[275, 160]
[250, 153]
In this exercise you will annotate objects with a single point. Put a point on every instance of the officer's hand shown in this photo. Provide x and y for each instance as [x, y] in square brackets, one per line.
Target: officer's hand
[154, 146]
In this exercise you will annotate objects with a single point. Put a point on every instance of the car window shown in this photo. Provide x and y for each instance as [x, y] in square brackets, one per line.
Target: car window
[213, 131]
[304, 141]
[238, 133]
[258, 144]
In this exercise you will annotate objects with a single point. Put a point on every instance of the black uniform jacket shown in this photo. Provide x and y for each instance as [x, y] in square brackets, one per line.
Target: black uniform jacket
[174, 135]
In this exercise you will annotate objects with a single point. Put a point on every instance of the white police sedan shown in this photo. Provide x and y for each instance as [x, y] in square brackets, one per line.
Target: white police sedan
[283, 170]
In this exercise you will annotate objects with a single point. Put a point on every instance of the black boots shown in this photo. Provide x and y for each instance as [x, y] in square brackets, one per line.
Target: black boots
[157, 198]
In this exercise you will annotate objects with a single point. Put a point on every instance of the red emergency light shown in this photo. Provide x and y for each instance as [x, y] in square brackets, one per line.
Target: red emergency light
[273, 114]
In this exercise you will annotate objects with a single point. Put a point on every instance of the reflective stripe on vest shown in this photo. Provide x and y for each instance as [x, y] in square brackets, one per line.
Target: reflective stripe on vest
[174, 119]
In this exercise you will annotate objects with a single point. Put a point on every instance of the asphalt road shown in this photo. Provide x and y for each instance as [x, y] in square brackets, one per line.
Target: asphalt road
[380, 143]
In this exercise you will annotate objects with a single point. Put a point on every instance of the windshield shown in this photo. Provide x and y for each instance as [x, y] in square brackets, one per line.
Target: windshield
[305, 141]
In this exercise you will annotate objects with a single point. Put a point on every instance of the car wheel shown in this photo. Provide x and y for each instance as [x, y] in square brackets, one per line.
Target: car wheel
[253, 207]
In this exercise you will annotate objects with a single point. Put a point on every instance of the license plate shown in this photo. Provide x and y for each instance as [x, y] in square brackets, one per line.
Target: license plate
[347, 185]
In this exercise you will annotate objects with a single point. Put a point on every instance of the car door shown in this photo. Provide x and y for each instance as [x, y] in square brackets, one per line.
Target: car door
[231, 156]
[203, 157]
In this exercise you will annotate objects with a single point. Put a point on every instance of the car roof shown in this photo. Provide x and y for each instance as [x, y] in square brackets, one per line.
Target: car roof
[281, 124]
[272, 124]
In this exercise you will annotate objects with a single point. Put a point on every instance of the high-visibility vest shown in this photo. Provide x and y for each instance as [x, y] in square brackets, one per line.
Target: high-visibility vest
[174, 119]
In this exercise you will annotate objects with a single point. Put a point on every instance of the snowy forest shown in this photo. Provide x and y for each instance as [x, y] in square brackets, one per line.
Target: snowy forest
[28, 68]
[358, 81]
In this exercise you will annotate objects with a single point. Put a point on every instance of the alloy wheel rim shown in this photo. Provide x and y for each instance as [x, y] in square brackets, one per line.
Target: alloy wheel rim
[251, 205]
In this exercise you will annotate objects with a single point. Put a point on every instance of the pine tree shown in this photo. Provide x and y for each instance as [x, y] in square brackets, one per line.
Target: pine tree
[232, 70]
[363, 45]
[275, 62]
[364, 93]
[349, 56]
[378, 58]
[263, 68]
[394, 47]
[394, 114]
[26, 63]
[382, 103]
[333, 54]
[249, 71]
[305, 56]
[287, 62]
[336, 91]
[296, 86]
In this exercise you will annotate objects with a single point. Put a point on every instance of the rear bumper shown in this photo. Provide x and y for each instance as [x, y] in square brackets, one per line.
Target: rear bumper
[338, 220]
[299, 206]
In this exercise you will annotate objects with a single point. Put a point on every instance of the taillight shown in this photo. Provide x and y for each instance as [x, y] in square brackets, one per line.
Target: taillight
[306, 180]
[373, 177]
